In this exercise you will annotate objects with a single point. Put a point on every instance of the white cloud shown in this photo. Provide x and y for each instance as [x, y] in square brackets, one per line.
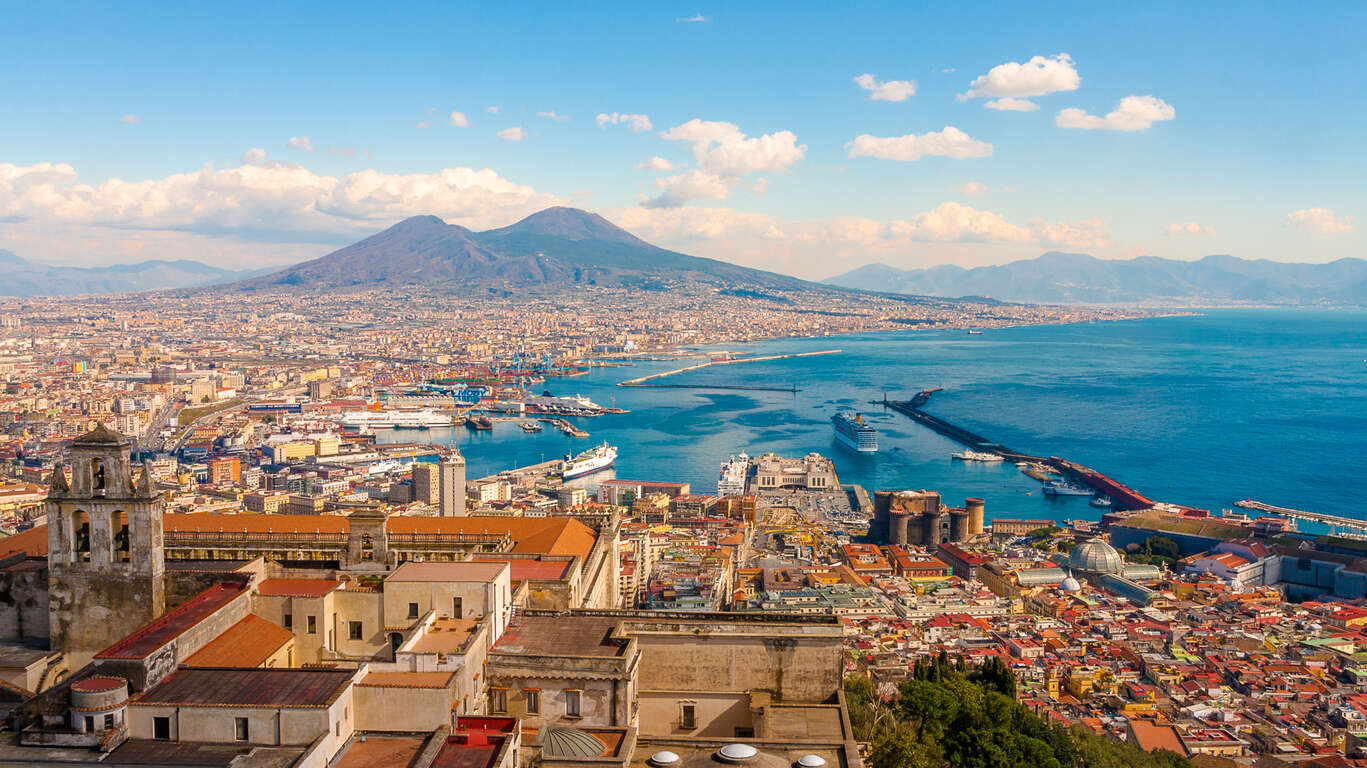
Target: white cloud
[1087, 234]
[491, 110]
[950, 142]
[1010, 84]
[1320, 221]
[253, 156]
[1134, 113]
[1190, 228]
[891, 90]
[955, 222]
[554, 116]
[270, 202]
[1009, 104]
[512, 134]
[656, 163]
[723, 149]
[760, 186]
[634, 123]
[423, 125]
[300, 142]
[692, 185]
[972, 189]
[696, 18]
[130, 119]
[459, 120]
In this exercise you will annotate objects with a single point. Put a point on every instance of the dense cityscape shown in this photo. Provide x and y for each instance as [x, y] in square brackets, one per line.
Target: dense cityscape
[209, 557]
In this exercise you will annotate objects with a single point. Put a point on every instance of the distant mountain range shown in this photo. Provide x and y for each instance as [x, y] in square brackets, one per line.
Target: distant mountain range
[1074, 278]
[25, 278]
[554, 248]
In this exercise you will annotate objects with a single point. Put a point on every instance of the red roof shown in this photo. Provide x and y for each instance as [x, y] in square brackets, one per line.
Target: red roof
[297, 587]
[159, 632]
[215, 687]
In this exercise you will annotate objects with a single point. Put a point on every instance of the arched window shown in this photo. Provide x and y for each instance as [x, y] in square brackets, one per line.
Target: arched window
[119, 536]
[80, 537]
[97, 477]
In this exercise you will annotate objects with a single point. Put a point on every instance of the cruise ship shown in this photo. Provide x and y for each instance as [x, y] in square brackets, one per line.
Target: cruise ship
[424, 419]
[975, 456]
[734, 473]
[853, 433]
[588, 462]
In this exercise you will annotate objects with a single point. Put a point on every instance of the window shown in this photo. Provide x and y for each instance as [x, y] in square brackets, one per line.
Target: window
[354, 630]
[572, 703]
[289, 621]
[745, 733]
[498, 700]
[89, 724]
[109, 722]
[313, 625]
[412, 610]
[688, 717]
[240, 728]
[533, 698]
[455, 608]
[161, 728]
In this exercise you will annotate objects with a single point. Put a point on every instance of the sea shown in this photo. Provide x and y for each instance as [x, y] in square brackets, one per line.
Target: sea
[1201, 410]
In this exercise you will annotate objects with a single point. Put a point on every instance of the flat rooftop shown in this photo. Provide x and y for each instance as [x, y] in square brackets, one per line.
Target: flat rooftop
[213, 686]
[159, 632]
[561, 636]
[465, 571]
[445, 636]
[380, 751]
[407, 680]
[147, 752]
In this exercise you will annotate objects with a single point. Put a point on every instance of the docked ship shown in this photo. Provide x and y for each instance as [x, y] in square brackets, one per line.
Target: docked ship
[588, 462]
[853, 433]
[479, 423]
[975, 456]
[424, 419]
[734, 473]
[1063, 488]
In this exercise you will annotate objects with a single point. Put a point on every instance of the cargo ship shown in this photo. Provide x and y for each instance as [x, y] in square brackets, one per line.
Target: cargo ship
[479, 423]
[853, 433]
[588, 462]
[424, 419]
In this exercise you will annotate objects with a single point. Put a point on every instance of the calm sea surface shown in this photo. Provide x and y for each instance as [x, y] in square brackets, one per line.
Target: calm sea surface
[1267, 404]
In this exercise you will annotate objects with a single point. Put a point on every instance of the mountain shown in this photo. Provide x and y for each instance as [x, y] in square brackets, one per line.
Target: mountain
[1077, 278]
[25, 278]
[554, 247]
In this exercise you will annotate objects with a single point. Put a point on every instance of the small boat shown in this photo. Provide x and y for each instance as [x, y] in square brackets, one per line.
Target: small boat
[975, 456]
[975, 333]
[530, 426]
[1101, 501]
[1062, 488]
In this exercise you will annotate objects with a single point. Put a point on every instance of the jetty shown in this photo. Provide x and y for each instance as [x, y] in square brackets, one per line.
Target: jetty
[1333, 521]
[643, 381]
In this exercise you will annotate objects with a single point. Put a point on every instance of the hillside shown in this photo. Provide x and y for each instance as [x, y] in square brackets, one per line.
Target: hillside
[1078, 278]
[555, 247]
[26, 279]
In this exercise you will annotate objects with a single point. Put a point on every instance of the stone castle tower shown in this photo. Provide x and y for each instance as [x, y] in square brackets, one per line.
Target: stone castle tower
[106, 564]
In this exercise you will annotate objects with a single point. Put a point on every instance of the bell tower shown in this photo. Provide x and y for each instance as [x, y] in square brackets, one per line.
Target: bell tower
[106, 563]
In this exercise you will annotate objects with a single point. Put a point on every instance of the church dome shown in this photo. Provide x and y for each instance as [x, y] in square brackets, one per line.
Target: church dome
[1095, 556]
[1070, 584]
[570, 743]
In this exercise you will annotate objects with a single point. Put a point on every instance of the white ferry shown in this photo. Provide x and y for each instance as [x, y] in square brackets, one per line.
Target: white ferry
[588, 462]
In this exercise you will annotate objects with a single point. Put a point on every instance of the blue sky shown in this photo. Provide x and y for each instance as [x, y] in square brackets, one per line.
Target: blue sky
[164, 130]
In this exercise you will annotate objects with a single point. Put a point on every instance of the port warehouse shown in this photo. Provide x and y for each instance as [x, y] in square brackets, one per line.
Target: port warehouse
[1338, 565]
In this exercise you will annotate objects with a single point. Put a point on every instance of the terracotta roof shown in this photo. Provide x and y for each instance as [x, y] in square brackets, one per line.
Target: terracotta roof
[1149, 736]
[536, 535]
[524, 569]
[32, 542]
[297, 587]
[213, 686]
[408, 679]
[560, 636]
[159, 632]
[248, 643]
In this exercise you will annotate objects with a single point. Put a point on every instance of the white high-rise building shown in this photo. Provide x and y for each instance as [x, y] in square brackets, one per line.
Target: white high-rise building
[451, 484]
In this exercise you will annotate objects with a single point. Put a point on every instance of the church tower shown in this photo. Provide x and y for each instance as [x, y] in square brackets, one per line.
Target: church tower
[106, 564]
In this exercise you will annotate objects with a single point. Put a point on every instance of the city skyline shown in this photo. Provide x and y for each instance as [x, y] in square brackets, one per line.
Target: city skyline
[804, 143]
